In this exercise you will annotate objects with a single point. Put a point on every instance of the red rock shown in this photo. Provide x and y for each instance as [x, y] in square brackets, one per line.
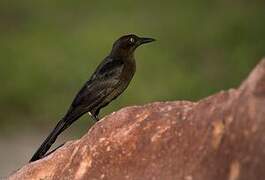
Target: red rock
[221, 137]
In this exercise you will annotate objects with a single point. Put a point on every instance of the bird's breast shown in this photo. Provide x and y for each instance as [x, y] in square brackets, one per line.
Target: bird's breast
[125, 78]
[128, 70]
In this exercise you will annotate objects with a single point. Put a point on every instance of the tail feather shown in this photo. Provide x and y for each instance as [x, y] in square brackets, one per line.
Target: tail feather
[45, 146]
[59, 128]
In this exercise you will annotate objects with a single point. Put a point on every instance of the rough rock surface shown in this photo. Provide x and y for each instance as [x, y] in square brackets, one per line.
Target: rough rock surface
[221, 137]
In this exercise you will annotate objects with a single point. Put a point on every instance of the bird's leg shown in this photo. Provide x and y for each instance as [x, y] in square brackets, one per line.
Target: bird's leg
[94, 117]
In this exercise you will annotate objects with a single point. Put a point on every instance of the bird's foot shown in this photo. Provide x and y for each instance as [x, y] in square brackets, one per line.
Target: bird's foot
[94, 117]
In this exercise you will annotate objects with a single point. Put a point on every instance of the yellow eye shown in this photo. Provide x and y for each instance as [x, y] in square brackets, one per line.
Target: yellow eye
[131, 40]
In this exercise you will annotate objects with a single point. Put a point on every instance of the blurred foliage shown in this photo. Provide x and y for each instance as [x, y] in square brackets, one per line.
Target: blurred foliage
[50, 48]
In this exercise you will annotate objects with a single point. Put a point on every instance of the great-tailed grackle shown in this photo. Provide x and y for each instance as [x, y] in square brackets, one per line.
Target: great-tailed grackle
[110, 79]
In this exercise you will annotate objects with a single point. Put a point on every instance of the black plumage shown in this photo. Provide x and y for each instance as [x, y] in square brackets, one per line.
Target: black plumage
[110, 79]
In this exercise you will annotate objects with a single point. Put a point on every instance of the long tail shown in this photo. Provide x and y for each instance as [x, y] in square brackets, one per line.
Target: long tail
[69, 118]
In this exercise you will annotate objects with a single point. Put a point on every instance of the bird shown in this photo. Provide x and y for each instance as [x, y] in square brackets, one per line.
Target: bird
[111, 77]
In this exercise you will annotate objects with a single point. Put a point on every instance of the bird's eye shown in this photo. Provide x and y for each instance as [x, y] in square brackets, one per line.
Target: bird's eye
[131, 40]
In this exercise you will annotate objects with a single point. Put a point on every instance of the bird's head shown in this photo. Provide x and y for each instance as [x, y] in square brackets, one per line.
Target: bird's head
[126, 45]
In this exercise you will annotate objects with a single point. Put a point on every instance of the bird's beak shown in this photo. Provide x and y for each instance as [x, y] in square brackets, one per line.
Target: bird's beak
[145, 40]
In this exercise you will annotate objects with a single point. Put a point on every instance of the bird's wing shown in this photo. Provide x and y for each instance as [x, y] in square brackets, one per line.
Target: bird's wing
[103, 81]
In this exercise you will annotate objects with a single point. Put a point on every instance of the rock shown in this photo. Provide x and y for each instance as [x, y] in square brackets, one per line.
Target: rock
[221, 137]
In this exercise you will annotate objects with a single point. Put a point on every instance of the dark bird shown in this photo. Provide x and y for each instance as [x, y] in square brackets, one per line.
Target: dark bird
[110, 79]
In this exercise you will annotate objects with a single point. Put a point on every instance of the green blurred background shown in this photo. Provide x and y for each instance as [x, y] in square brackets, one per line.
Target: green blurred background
[50, 48]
